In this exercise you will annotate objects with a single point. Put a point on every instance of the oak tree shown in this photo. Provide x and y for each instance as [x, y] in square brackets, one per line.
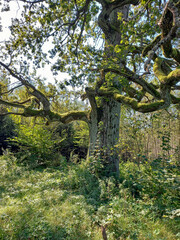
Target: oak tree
[117, 51]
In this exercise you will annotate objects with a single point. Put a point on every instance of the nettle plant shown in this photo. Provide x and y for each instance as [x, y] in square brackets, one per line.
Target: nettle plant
[118, 52]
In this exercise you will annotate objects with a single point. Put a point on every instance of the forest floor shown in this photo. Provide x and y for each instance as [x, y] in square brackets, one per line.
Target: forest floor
[69, 202]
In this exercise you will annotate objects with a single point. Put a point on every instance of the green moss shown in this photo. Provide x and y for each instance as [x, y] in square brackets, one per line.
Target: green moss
[150, 107]
[54, 116]
[141, 107]
[28, 112]
[126, 100]
[158, 70]
[108, 91]
[74, 115]
[170, 52]
[174, 77]
[171, 78]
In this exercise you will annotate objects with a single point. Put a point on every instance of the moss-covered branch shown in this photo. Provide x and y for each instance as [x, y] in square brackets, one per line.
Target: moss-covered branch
[168, 79]
[169, 24]
[53, 116]
[10, 113]
[68, 117]
[131, 76]
[140, 107]
[12, 104]
[133, 93]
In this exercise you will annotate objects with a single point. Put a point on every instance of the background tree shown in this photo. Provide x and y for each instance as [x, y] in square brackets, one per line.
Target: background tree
[118, 72]
[146, 137]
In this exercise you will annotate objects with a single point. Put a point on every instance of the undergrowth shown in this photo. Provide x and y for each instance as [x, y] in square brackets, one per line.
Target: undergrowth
[69, 202]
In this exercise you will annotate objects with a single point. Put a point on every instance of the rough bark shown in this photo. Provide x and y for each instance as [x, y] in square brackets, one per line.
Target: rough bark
[104, 136]
[109, 136]
[104, 122]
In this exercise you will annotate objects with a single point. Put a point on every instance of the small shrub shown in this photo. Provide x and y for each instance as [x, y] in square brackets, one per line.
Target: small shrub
[37, 146]
[151, 181]
[7, 130]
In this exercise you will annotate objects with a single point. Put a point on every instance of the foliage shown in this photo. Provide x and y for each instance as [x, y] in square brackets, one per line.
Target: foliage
[81, 134]
[7, 130]
[145, 137]
[71, 203]
[154, 182]
[65, 134]
[75, 144]
[83, 201]
[37, 145]
[134, 63]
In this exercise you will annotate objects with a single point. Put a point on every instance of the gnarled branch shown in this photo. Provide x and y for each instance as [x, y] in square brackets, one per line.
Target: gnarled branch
[31, 89]
[170, 79]
[140, 107]
[169, 24]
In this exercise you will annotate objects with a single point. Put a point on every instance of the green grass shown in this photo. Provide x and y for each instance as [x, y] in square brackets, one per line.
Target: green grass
[70, 203]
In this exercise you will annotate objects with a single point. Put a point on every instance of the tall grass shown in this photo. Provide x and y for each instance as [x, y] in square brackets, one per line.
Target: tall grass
[71, 203]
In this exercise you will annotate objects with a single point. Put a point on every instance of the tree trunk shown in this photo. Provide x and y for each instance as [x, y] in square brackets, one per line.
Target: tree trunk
[104, 136]
[109, 136]
[105, 120]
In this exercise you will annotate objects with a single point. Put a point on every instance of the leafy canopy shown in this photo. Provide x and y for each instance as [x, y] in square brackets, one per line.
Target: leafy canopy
[74, 37]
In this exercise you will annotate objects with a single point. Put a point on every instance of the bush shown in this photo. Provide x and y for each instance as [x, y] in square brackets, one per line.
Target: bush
[153, 182]
[73, 204]
[37, 146]
[7, 130]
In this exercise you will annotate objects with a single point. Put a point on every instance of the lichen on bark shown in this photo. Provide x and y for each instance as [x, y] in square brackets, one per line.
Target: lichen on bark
[171, 78]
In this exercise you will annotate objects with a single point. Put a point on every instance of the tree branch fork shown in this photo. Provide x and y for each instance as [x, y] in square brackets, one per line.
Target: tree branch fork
[161, 94]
